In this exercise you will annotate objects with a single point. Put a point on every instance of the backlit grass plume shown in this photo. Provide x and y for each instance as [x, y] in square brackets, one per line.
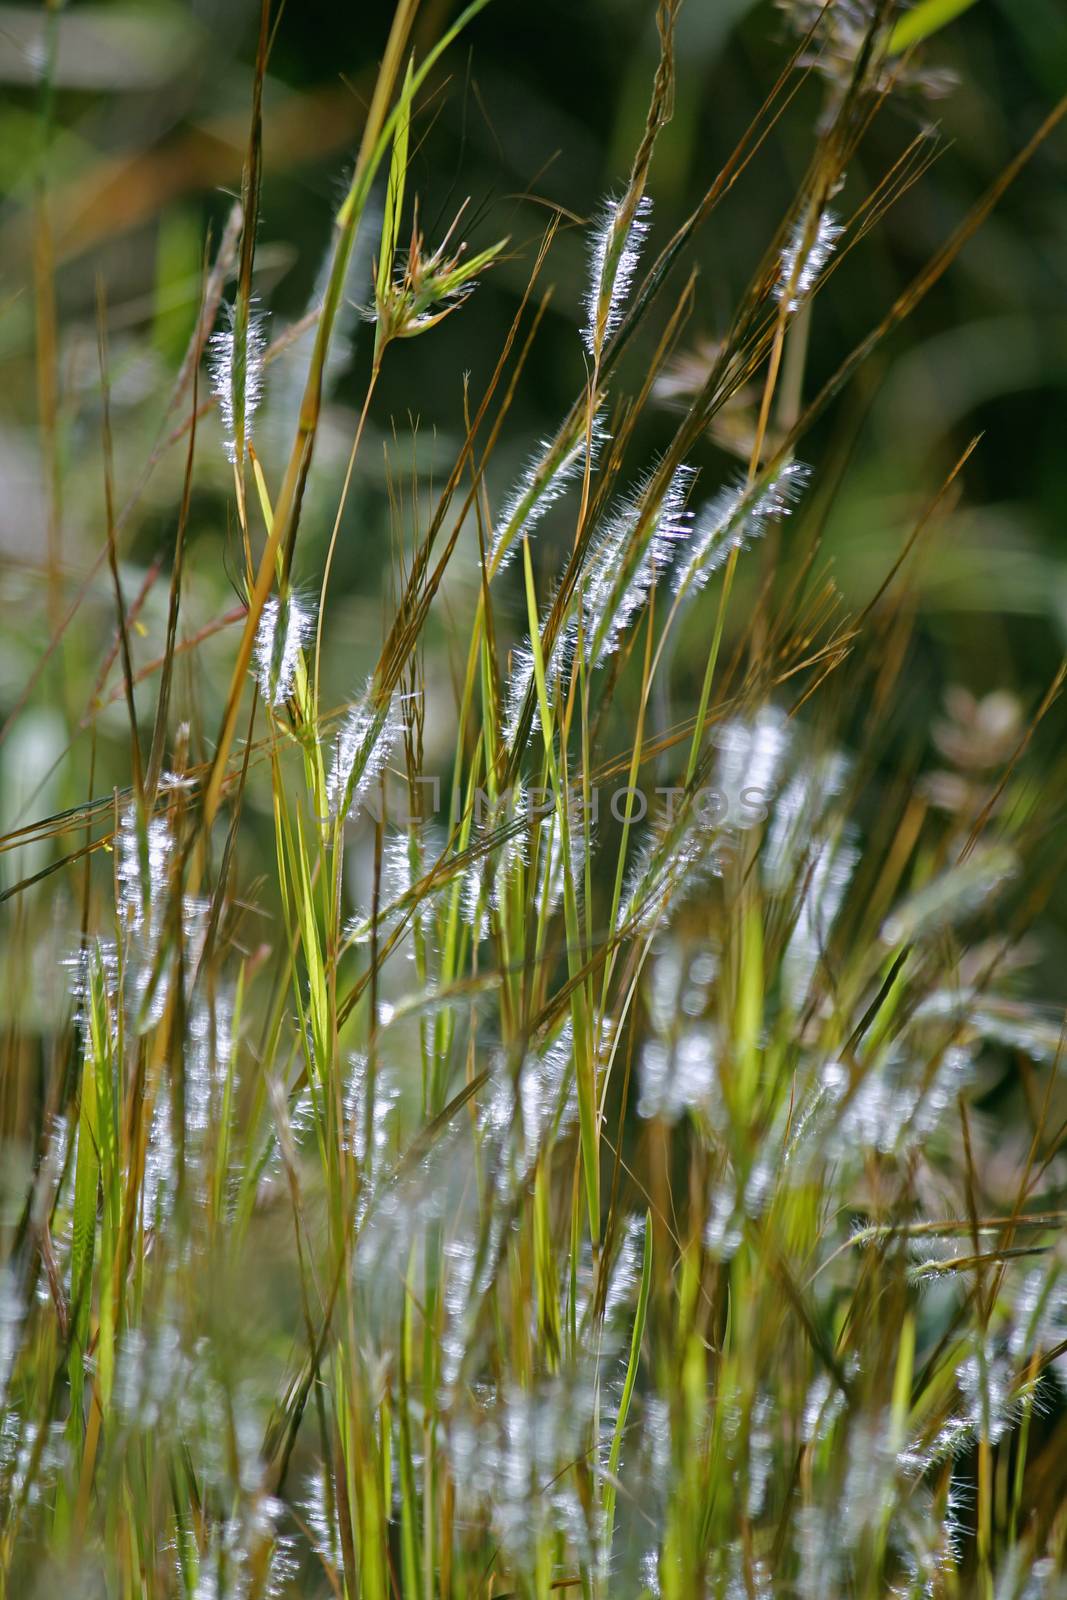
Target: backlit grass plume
[581, 1114]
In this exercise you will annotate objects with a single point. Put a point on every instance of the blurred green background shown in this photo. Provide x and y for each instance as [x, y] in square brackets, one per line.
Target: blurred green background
[138, 153]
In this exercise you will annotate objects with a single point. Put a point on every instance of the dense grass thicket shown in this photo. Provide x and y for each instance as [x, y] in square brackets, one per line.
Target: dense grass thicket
[561, 1095]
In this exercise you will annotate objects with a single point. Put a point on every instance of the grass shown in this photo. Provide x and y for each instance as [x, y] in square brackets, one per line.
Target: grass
[565, 1171]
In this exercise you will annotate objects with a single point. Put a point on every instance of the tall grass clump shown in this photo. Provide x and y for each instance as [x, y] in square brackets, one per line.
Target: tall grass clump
[517, 1129]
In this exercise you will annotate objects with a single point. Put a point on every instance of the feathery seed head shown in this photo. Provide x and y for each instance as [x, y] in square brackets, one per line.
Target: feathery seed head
[550, 472]
[615, 250]
[285, 628]
[370, 732]
[804, 258]
[734, 519]
[237, 377]
[628, 556]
